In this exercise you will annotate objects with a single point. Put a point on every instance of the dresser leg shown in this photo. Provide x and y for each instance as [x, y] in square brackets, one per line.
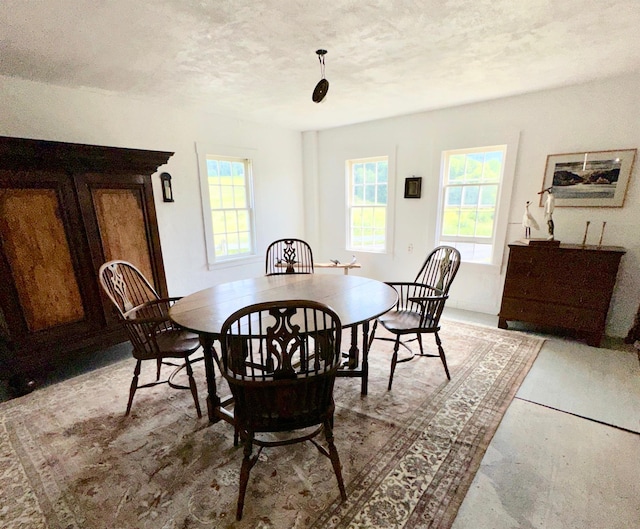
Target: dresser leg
[502, 323]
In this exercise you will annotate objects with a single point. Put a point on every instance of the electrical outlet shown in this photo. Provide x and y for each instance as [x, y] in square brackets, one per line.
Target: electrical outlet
[410, 248]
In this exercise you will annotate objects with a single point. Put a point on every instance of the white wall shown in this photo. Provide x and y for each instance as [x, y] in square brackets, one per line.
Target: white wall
[39, 111]
[595, 116]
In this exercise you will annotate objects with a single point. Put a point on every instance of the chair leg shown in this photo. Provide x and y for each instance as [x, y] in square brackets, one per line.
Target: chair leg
[333, 455]
[158, 367]
[134, 385]
[442, 356]
[244, 473]
[192, 385]
[394, 361]
[419, 337]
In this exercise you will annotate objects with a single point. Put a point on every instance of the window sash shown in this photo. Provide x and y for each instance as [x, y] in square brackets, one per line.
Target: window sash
[368, 204]
[470, 198]
[231, 208]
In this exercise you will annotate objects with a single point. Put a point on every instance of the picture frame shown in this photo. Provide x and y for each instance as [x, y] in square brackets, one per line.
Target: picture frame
[412, 187]
[589, 179]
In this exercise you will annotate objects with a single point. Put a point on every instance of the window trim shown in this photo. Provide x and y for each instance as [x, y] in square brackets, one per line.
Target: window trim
[389, 206]
[225, 152]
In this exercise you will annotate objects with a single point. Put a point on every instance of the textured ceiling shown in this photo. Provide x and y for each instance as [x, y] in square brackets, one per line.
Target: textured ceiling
[256, 59]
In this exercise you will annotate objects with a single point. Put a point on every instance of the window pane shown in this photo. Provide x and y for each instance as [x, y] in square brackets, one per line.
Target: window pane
[492, 167]
[382, 195]
[227, 196]
[383, 172]
[217, 219]
[243, 221]
[358, 195]
[240, 197]
[380, 218]
[214, 197]
[488, 195]
[370, 173]
[370, 194]
[212, 168]
[484, 224]
[367, 216]
[237, 169]
[456, 167]
[453, 196]
[225, 168]
[232, 221]
[233, 245]
[467, 222]
[473, 170]
[470, 195]
[244, 240]
[451, 221]
[358, 173]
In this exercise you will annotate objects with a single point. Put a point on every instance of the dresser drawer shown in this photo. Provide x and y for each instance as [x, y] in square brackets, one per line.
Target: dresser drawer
[553, 315]
[584, 294]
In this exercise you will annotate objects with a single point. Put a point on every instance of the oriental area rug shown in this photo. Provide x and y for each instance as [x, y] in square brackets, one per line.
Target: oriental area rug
[69, 458]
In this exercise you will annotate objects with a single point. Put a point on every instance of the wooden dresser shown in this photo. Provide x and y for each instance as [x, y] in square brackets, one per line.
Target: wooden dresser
[564, 287]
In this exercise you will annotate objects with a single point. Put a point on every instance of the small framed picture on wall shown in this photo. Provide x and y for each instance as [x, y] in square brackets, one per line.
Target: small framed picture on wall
[412, 187]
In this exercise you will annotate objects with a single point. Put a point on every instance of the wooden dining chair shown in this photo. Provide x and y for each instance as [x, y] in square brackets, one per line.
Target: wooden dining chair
[280, 360]
[289, 256]
[145, 316]
[420, 305]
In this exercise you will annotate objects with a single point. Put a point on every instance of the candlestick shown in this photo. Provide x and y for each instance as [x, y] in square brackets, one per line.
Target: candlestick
[586, 230]
[602, 233]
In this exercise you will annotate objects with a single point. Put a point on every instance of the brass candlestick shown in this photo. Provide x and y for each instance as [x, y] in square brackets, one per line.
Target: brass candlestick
[586, 230]
[604, 223]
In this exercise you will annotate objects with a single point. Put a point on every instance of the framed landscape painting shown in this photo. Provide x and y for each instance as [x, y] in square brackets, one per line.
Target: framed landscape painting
[589, 179]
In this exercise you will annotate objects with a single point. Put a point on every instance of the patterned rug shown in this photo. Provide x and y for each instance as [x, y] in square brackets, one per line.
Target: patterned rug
[69, 458]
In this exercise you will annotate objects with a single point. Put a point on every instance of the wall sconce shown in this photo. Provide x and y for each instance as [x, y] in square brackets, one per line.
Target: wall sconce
[167, 192]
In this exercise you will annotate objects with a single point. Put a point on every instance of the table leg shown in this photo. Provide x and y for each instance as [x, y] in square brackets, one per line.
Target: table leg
[213, 400]
[365, 358]
[354, 352]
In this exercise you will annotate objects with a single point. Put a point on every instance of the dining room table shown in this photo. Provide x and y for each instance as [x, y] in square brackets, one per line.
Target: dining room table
[357, 301]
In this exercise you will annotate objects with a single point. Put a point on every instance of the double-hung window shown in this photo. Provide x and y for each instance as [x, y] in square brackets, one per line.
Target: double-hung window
[470, 185]
[368, 204]
[228, 207]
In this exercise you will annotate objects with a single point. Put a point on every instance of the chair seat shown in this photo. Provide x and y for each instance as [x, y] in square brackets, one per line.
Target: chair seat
[177, 342]
[172, 344]
[405, 321]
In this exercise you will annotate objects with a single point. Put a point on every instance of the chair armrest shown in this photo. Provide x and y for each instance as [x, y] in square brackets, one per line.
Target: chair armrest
[156, 311]
[427, 298]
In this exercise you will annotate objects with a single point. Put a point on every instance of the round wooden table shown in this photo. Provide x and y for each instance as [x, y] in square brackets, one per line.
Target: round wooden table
[357, 301]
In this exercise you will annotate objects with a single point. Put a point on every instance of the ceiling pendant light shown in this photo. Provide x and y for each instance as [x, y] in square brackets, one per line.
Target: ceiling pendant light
[321, 89]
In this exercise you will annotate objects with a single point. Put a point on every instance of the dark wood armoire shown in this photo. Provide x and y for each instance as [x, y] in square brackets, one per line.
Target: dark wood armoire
[64, 210]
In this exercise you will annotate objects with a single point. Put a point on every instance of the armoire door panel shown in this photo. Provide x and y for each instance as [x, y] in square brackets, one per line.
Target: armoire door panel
[38, 253]
[122, 226]
[119, 216]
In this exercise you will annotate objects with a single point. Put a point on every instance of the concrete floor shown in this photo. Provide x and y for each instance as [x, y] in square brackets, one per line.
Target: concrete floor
[567, 452]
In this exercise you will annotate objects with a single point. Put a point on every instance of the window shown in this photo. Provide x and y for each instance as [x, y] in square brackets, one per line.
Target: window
[228, 208]
[470, 184]
[367, 200]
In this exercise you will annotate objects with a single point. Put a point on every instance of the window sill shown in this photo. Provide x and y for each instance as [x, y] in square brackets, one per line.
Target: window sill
[231, 263]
